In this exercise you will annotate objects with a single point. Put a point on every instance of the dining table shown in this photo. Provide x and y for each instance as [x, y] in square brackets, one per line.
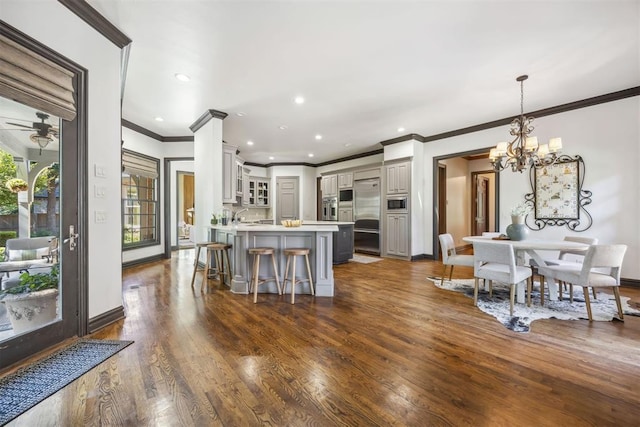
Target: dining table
[531, 248]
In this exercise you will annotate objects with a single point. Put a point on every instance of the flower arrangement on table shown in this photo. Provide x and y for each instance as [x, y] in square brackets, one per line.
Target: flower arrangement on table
[519, 211]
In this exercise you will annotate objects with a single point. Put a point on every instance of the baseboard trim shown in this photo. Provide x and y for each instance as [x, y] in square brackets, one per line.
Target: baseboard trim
[105, 319]
[421, 256]
[139, 261]
[633, 283]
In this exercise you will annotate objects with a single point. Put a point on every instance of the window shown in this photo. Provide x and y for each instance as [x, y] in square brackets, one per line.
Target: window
[140, 205]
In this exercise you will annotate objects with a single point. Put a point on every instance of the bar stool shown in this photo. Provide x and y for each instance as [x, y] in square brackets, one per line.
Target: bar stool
[291, 254]
[219, 251]
[255, 280]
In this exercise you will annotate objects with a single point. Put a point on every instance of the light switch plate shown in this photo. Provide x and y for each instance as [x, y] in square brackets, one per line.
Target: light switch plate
[100, 171]
[99, 191]
[101, 217]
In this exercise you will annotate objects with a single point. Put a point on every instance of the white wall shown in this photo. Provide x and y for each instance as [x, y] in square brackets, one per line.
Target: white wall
[607, 136]
[56, 27]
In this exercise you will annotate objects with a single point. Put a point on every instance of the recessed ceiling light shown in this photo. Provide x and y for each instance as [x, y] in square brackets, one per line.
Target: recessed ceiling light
[299, 100]
[271, 157]
[310, 154]
[282, 127]
[159, 119]
[182, 77]
[249, 142]
[348, 144]
[241, 114]
[400, 129]
[318, 137]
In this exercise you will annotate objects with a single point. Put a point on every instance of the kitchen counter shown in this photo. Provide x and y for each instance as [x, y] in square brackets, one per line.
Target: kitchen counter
[316, 235]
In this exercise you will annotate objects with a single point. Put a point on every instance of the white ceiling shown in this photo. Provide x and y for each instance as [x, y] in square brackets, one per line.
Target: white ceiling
[365, 68]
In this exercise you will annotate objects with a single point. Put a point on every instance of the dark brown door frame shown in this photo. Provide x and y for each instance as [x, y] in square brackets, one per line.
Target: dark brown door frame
[74, 211]
[167, 201]
[436, 171]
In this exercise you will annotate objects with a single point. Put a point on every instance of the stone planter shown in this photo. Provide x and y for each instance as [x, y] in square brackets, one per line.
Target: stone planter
[29, 311]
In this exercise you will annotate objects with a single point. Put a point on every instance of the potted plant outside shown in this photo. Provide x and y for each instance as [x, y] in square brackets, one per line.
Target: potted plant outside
[15, 185]
[33, 302]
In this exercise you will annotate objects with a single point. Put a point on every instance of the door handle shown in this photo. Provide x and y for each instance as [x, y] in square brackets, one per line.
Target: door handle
[71, 240]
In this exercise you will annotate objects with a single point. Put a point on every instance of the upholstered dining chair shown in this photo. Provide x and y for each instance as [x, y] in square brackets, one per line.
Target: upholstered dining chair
[450, 257]
[605, 257]
[575, 261]
[497, 262]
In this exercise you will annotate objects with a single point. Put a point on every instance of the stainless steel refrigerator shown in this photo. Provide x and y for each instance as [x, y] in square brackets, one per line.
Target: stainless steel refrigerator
[366, 214]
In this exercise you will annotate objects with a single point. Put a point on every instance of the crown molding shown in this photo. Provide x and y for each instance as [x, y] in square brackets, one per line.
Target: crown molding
[204, 119]
[98, 22]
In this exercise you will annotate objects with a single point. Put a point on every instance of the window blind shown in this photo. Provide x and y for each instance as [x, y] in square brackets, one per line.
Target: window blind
[33, 80]
[135, 164]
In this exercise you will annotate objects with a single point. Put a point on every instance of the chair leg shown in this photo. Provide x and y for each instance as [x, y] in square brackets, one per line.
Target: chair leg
[594, 293]
[570, 292]
[256, 271]
[490, 288]
[542, 279]
[450, 273]
[275, 271]
[561, 284]
[229, 273]
[293, 281]
[475, 291]
[205, 273]
[306, 258]
[444, 273]
[195, 266]
[286, 272]
[512, 297]
[616, 293]
[586, 300]
[529, 289]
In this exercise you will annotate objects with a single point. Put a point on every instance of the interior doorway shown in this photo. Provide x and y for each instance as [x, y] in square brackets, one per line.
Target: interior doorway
[455, 196]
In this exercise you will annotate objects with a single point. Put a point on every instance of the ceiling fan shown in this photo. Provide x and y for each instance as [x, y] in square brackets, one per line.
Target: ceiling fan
[45, 132]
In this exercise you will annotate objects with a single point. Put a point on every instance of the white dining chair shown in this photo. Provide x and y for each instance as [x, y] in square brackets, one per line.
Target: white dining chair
[497, 262]
[450, 257]
[575, 260]
[605, 257]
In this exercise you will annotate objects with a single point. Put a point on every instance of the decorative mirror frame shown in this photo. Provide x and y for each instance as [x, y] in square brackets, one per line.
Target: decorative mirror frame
[558, 198]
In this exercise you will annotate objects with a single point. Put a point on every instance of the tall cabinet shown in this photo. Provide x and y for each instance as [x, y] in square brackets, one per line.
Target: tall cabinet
[397, 224]
[229, 173]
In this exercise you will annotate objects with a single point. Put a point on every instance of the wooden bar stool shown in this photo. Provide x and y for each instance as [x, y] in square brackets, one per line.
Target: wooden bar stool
[255, 280]
[291, 259]
[195, 263]
[220, 252]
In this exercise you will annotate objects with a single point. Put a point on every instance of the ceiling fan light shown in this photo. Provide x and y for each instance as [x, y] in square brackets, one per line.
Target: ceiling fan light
[42, 141]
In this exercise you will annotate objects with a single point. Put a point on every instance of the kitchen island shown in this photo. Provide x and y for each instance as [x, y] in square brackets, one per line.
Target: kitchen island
[315, 235]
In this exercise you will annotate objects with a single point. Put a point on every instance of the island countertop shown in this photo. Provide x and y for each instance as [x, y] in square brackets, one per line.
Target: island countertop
[306, 226]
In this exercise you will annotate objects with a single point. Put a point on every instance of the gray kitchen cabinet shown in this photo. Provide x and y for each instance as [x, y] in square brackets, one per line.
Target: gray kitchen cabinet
[259, 192]
[397, 235]
[345, 214]
[229, 171]
[343, 243]
[329, 185]
[398, 177]
[345, 180]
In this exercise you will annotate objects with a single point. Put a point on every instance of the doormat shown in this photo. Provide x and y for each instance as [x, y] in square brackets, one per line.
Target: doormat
[364, 259]
[32, 384]
[603, 307]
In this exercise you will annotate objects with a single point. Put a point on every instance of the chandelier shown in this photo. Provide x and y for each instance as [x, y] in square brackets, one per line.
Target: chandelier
[524, 149]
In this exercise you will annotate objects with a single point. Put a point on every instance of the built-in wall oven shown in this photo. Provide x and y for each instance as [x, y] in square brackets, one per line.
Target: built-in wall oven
[329, 208]
[346, 196]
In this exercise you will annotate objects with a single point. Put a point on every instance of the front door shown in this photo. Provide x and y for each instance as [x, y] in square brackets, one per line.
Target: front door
[47, 153]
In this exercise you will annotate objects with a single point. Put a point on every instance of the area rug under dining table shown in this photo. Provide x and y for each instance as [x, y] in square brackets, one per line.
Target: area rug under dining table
[28, 386]
[603, 307]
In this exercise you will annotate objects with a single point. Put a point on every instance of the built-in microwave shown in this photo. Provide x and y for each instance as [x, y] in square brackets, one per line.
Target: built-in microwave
[346, 195]
[397, 203]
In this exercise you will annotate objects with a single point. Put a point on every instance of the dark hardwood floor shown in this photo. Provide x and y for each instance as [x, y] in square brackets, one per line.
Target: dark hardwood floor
[389, 349]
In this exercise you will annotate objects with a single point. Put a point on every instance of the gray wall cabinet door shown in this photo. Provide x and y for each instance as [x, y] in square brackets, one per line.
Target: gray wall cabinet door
[287, 198]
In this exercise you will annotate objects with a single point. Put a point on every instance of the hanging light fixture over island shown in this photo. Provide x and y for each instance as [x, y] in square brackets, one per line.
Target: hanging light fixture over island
[524, 149]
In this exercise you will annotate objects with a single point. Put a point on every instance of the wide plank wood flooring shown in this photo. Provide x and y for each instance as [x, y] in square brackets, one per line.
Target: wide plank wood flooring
[389, 349]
